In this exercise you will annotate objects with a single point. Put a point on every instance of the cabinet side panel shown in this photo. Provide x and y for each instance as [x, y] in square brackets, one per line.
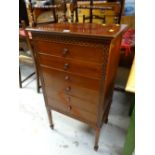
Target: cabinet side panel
[114, 55]
[111, 70]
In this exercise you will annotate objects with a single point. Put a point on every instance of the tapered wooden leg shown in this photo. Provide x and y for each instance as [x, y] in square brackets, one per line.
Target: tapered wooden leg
[97, 134]
[37, 73]
[38, 83]
[20, 78]
[49, 112]
[107, 113]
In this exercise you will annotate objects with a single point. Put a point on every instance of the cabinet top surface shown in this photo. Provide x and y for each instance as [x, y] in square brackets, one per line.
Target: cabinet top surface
[82, 29]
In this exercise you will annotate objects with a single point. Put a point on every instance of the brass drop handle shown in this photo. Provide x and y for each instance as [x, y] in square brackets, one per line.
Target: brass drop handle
[67, 77]
[66, 66]
[69, 108]
[68, 89]
[65, 51]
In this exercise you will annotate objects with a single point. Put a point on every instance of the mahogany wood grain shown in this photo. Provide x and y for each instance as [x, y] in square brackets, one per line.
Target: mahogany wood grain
[78, 69]
[86, 30]
[82, 93]
[56, 76]
[70, 109]
[70, 65]
[70, 51]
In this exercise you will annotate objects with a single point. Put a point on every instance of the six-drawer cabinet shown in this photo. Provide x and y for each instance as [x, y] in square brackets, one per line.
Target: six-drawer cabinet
[77, 64]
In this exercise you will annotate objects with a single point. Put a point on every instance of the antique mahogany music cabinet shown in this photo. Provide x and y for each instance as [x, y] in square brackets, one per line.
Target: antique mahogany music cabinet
[78, 65]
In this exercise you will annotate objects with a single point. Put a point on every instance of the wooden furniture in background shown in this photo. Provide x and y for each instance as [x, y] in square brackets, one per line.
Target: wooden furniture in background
[78, 64]
[77, 11]
[26, 55]
[130, 20]
[98, 11]
[47, 13]
[23, 12]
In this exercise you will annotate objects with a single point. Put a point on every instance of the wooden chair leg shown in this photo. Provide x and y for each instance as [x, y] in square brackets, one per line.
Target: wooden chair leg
[83, 18]
[38, 83]
[49, 112]
[37, 79]
[20, 78]
[97, 134]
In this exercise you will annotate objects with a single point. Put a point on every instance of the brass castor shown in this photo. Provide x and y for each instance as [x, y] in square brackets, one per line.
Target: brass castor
[96, 148]
[52, 126]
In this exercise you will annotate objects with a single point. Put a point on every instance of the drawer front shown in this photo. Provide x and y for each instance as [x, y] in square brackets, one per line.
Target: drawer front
[74, 101]
[90, 54]
[70, 78]
[83, 88]
[71, 110]
[74, 66]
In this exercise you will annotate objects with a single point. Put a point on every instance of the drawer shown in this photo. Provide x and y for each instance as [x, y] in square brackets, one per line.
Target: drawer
[74, 101]
[90, 54]
[63, 82]
[70, 78]
[74, 66]
[71, 110]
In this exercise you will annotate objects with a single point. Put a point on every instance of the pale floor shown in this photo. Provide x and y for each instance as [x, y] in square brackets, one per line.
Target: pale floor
[69, 135]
